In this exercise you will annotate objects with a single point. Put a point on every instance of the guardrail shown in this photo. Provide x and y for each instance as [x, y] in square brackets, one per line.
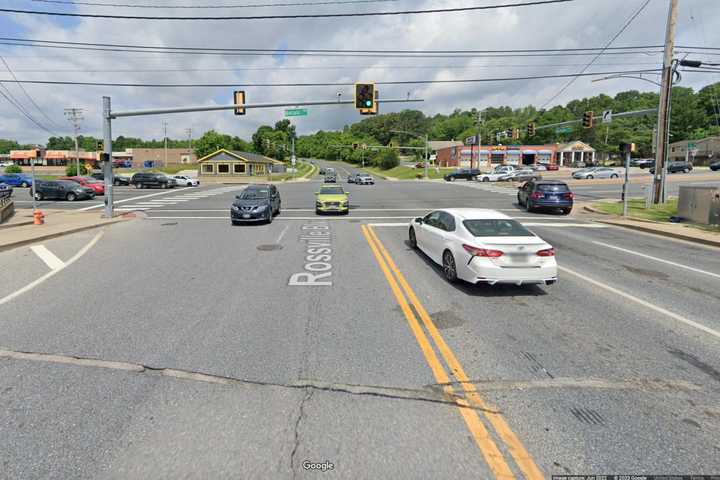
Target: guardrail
[7, 208]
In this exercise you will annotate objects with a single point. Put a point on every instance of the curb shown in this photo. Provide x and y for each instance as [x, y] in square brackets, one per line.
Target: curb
[49, 236]
[679, 236]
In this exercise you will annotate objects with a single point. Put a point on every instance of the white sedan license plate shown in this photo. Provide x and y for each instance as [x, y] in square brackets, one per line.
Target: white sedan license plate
[519, 257]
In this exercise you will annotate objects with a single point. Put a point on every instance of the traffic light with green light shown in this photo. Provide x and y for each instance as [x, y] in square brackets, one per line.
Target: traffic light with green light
[364, 96]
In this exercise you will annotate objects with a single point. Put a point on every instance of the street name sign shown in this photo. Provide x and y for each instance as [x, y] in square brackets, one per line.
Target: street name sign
[296, 112]
[563, 130]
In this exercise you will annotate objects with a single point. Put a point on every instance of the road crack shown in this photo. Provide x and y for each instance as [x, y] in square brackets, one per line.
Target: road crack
[296, 430]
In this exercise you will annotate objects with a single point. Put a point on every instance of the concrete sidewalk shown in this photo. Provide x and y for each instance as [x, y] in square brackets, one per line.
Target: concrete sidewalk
[680, 231]
[20, 230]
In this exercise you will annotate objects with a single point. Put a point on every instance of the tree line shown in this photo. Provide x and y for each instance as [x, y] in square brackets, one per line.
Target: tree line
[695, 115]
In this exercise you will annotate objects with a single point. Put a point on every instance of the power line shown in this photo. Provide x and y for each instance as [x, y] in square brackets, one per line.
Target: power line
[13, 101]
[196, 7]
[288, 16]
[323, 84]
[330, 67]
[280, 51]
[32, 100]
[607, 45]
[330, 54]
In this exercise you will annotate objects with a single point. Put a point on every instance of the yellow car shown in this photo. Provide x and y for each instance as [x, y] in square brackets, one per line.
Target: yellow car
[332, 198]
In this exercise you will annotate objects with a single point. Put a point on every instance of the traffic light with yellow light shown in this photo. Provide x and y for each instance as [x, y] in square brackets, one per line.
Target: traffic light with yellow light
[587, 120]
[364, 96]
[239, 99]
[531, 129]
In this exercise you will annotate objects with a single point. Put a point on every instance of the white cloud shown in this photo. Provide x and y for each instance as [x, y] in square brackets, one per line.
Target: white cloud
[578, 24]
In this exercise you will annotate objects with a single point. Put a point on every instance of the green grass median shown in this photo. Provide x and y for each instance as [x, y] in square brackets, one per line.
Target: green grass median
[636, 208]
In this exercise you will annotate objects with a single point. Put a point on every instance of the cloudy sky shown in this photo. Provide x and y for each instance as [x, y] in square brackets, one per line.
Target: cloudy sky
[577, 24]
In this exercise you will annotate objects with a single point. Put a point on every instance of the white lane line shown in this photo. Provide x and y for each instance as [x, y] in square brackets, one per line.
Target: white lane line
[51, 273]
[48, 257]
[642, 302]
[126, 200]
[282, 234]
[661, 260]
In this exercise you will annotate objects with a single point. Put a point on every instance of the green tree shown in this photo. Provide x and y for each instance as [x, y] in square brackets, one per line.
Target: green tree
[7, 145]
[387, 159]
[71, 170]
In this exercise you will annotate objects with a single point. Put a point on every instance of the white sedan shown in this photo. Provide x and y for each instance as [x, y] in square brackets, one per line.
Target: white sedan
[484, 246]
[492, 177]
[185, 181]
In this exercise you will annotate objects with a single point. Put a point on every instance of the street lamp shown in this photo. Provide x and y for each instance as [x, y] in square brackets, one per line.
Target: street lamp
[418, 135]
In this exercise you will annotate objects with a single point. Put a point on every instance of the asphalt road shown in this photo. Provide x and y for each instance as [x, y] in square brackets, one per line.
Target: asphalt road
[177, 345]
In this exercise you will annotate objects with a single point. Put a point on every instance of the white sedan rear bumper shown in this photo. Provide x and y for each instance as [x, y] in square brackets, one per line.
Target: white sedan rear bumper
[482, 270]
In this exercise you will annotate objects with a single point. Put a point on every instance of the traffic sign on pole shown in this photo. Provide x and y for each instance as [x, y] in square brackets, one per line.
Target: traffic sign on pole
[296, 112]
[607, 116]
[471, 140]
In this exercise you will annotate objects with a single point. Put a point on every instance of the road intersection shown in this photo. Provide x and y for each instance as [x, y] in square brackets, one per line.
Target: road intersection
[179, 346]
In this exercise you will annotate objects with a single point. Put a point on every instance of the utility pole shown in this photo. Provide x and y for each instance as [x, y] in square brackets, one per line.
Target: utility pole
[74, 116]
[189, 134]
[165, 124]
[107, 157]
[479, 140]
[663, 126]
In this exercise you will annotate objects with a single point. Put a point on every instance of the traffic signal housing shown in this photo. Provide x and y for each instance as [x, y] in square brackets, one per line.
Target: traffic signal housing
[239, 99]
[374, 109]
[531, 129]
[355, 146]
[516, 133]
[364, 96]
[100, 146]
[587, 120]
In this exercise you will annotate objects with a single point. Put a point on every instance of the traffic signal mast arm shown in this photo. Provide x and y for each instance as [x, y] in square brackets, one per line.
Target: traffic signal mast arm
[650, 111]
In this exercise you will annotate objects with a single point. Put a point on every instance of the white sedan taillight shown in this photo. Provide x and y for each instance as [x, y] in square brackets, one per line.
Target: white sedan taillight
[482, 252]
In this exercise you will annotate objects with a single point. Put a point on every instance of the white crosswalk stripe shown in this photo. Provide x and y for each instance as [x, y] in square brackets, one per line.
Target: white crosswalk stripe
[488, 187]
[179, 198]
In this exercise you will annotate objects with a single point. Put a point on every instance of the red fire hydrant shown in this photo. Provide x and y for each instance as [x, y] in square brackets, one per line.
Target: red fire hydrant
[38, 217]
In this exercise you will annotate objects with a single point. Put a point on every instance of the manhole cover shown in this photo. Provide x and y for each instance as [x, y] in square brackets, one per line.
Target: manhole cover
[270, 247]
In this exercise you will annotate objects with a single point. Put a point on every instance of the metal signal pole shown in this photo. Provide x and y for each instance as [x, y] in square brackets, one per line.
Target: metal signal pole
[165, 126]
[663, 127]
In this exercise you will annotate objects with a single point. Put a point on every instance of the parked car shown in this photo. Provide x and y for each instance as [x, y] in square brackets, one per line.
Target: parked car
[715, 166]
[365, 179]
[257, 203]
[492, 176]
[5, 164]
[538, 167]
[546, 194]
[97, 186]
[521, 176]
[149, 180]
[16, 179]
[595, 172]
[6, 190]
[463, 173]
[185, 181]
[352, 177]
[675, 167]
[62, 190]
[644, 163]
[483, 246]
[117, 179]
[552, 167]
[332, 198]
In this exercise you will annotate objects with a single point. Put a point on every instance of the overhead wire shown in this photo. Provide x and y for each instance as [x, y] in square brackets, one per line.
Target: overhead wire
[29, 97]
[324, 84]
[221, 6]
[287, 16]
[607, 45]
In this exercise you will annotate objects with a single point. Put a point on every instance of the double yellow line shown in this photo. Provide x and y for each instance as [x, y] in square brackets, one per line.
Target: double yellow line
[472, 402]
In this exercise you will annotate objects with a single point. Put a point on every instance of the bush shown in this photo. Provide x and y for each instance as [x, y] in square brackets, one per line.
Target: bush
[388, 159]
[13, 169]
[71, 170]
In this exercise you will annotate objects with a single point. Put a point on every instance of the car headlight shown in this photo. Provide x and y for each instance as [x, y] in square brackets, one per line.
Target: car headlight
[235, 208]
[318, 203]
[260, 208]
